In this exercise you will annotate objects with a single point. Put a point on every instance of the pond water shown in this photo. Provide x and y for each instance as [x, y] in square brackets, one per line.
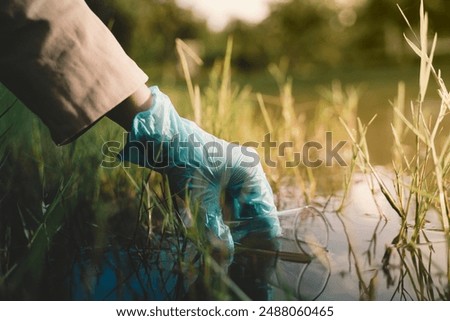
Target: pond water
[351, 255]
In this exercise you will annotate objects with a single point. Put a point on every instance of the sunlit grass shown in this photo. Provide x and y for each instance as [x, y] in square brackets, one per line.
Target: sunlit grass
[416, 187]
[420, 172]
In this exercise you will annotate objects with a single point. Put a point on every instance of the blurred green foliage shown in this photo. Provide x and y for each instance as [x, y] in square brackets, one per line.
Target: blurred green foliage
[322, 35]
[312, 34]
[147, 29]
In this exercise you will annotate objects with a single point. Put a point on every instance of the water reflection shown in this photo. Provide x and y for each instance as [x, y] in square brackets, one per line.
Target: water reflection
[164, 273]
[352, 255]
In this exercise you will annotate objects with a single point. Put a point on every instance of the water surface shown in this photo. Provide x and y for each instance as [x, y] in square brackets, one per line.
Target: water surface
[354, 255]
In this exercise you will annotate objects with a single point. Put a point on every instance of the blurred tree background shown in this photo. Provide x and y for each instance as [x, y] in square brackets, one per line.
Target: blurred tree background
[314, 35]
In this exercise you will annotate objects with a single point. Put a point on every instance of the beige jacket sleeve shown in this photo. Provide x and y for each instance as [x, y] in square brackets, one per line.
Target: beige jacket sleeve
[63, 63]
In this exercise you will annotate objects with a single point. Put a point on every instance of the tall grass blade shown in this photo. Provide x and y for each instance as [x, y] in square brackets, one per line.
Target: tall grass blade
[264, 112]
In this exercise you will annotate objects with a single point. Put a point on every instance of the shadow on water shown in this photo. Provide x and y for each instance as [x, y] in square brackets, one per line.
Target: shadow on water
[164, 273]
[353, 255]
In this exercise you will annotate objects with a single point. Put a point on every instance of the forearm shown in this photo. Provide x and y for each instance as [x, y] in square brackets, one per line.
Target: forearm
[123, 114]
[63, 63]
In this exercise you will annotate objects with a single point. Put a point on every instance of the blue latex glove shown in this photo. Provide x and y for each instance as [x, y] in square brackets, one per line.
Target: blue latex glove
[201, 166]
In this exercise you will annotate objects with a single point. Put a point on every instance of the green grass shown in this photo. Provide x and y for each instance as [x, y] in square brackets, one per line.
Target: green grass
[50, 193]
[419, 176]
[421, 168]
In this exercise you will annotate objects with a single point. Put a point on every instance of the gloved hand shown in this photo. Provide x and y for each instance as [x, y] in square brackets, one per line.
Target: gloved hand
[201, 166]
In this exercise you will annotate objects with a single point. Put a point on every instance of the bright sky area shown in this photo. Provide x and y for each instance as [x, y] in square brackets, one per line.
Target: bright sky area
[219, 12]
